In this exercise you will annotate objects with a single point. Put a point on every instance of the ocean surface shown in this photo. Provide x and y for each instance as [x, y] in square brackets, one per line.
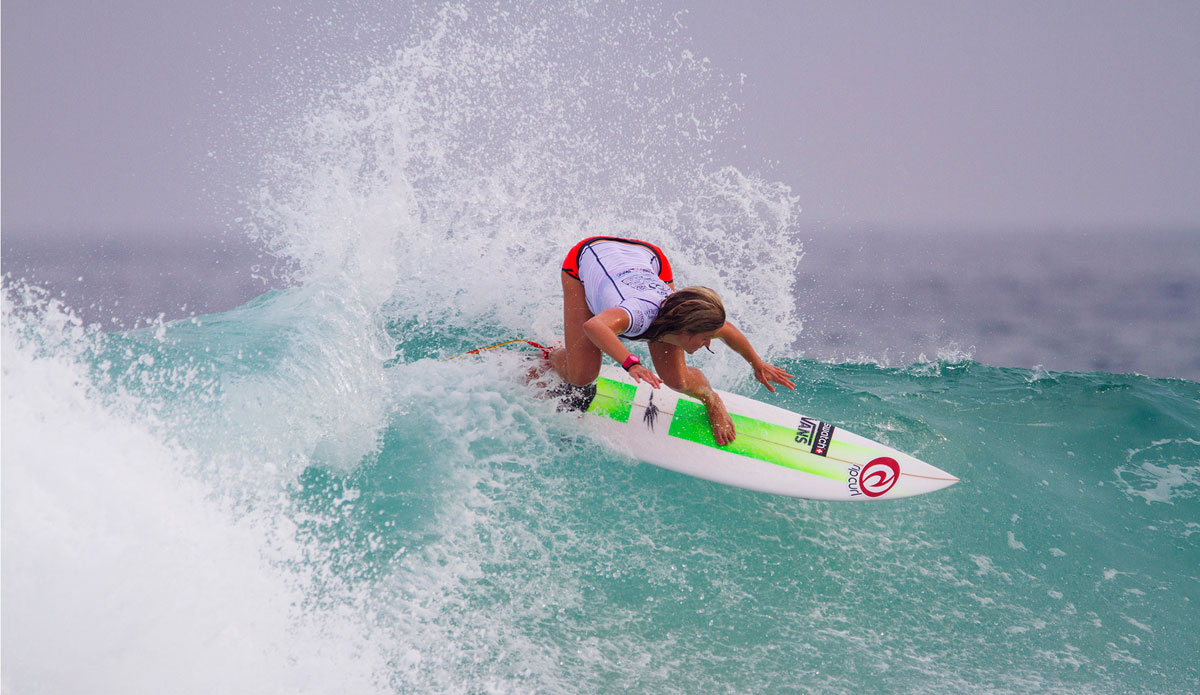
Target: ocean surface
[248, 466]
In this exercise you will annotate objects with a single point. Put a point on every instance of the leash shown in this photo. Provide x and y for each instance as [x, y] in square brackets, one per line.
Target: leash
[545, 350]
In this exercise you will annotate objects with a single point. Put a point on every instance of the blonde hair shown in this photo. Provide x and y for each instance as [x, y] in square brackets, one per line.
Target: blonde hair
[690, 310]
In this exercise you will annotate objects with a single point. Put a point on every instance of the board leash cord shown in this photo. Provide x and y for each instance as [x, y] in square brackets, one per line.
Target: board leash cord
[545, 350]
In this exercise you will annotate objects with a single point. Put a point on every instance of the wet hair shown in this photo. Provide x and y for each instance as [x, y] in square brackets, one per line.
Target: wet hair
[690, 310]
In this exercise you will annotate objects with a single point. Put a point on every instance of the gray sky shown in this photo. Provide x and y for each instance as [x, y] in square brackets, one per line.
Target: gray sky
[891, 115]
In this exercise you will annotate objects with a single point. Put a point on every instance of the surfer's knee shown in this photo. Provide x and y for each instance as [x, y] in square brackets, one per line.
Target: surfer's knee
[577, 379]
[571, 371]
[580, 376]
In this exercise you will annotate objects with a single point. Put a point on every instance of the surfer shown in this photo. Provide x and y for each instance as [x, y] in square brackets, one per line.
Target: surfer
[617, 288]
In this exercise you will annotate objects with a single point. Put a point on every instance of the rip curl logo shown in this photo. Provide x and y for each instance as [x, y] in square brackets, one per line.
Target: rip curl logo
[875, 478]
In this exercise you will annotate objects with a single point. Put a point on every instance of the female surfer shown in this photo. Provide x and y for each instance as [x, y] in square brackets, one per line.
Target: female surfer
[616, 287]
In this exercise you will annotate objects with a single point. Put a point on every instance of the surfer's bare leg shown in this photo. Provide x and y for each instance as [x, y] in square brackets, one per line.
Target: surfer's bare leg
[671, 365]
[578, 360]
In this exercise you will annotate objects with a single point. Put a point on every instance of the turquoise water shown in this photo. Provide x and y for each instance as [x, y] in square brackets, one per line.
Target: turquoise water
[303, 494]
[222, 487]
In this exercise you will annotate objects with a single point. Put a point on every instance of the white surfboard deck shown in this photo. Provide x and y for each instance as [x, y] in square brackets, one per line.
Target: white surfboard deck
[775, 450]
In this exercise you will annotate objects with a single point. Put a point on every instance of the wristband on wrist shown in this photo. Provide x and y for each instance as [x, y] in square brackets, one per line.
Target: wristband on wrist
[630, 361]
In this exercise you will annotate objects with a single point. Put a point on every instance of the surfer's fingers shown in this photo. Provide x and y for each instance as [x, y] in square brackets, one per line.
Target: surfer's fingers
[771, 373]
[780, 377]
[649, 377]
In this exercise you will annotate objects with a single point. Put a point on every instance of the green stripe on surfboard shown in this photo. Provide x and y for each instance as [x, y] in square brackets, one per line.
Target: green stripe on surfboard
[764, 441]
[614, 400]
[756, 439]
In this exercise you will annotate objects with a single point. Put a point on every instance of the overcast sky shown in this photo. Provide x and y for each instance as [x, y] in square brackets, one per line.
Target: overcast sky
[891, 115]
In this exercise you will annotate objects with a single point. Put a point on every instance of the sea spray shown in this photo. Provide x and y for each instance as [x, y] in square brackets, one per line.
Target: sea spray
[452, 179]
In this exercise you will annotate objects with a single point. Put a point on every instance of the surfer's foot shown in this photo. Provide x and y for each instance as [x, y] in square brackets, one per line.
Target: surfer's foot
[719, 420]
[538, 377]
[539, 366]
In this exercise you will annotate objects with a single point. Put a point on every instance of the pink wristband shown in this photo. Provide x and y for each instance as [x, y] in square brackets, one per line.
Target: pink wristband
[630, 361]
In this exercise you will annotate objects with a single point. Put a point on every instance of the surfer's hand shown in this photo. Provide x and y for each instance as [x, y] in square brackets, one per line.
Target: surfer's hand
[719, 420]
[640, 373]
[766, 373]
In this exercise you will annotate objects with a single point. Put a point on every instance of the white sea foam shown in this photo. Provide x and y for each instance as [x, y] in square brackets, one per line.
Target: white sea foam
[123, 574]
[1147, 474]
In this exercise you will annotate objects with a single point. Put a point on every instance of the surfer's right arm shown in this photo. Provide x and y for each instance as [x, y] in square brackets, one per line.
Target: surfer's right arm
[603, 329]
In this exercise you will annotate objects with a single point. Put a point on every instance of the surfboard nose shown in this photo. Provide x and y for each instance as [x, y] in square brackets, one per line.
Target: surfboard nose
[923, 478]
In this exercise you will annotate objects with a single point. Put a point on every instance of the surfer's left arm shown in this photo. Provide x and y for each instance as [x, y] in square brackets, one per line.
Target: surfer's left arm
[763, 371]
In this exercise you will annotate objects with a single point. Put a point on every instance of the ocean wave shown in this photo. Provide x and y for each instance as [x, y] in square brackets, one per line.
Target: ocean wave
[304, 494]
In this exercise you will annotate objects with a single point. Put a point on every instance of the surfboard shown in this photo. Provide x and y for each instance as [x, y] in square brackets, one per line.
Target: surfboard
[775, 451]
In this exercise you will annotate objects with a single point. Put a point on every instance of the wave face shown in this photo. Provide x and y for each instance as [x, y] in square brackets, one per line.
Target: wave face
[304, 495]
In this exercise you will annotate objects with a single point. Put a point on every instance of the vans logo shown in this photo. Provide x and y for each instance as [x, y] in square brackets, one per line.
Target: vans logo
[815, 435]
